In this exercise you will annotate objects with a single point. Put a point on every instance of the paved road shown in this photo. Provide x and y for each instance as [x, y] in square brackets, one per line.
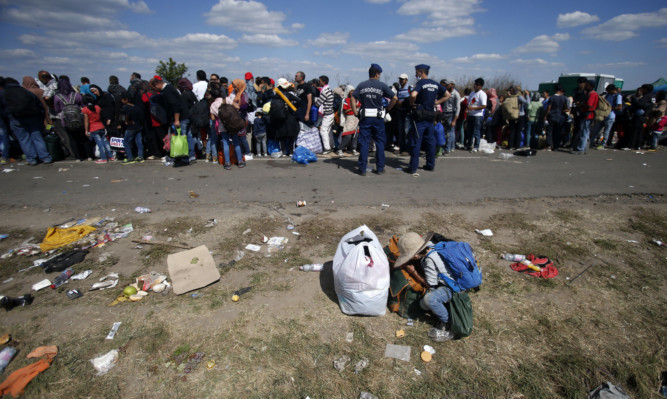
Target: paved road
[460, 177]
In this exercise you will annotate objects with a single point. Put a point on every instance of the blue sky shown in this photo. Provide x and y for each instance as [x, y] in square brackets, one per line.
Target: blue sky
[534, 41]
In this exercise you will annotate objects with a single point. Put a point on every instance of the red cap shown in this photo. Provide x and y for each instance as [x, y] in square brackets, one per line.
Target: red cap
[248, 76]
[157, 77]
[273, 82]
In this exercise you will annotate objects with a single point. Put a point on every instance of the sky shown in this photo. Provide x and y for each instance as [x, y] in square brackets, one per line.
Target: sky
[531, 41]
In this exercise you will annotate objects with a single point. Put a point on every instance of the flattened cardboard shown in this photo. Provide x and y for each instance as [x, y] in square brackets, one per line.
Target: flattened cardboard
[192, 269]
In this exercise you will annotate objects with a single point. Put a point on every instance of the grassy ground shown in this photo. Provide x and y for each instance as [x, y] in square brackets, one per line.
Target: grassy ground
[533, 338]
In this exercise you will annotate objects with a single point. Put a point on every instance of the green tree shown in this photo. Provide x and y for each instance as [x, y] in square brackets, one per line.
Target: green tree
[171, 71]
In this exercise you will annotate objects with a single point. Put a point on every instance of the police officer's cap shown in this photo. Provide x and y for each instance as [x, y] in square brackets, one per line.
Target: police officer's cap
[423, 66]
[376, 66]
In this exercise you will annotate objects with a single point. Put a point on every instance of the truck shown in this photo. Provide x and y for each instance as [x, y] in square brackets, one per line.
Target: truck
[568, 82]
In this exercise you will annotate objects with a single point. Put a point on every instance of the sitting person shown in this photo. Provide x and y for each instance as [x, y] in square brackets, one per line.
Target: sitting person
[414, 249]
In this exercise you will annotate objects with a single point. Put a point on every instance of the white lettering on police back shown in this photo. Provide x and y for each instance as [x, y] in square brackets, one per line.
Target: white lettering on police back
[370, 90]
[430, 87]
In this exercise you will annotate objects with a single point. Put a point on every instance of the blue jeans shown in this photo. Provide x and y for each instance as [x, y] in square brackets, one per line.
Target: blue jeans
[474, 133]
[186, 128]
[243, 142]
[450, 132]
[584, 133]
[531, 137]
[425, 132]
[212, 142]
[404, 126]
[371, 128]
[4, 140]
[436, 299]
[29, 133]
[234, 138]
[605, 128]
[130, 136]
[102, 144]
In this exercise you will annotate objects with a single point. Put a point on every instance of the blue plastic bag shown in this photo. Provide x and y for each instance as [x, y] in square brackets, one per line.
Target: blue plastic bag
[440, 138]
[272, 146]
[303, 155]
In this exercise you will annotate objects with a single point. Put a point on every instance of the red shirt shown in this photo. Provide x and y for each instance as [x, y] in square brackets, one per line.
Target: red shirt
[94, 119]
[591, 104]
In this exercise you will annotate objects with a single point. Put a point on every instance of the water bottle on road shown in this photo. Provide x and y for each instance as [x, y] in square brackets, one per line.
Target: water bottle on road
[141, 209]
[514, 257]
[315, 267]
[60, 280]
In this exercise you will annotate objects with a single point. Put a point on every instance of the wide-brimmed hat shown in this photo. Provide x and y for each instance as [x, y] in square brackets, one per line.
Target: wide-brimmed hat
[410, 245]
[284, 83]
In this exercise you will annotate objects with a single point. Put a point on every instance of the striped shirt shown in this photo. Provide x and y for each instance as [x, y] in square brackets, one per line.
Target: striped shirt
[326, 100]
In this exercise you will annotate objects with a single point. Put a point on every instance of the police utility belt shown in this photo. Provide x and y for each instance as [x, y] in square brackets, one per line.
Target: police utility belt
[421, 114]
[372, 113]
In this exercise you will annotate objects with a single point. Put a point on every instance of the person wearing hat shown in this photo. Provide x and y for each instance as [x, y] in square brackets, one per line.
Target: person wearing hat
[371, 113]
[283, 123]
[424, 97]
[403, 114]
[414, 248]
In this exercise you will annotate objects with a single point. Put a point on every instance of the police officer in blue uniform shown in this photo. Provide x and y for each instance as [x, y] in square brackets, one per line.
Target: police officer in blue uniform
[370, 93]
[423, 99]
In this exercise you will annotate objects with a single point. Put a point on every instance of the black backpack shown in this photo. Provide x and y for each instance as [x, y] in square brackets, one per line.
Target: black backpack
[158, 111]
[200, 114]
[71, 115]
[230, 118]
[278, 111]
[337, 102]
[21, 103]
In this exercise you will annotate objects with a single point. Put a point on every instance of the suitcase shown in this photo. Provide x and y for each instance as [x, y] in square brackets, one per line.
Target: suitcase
[53, 146]
[232, 157]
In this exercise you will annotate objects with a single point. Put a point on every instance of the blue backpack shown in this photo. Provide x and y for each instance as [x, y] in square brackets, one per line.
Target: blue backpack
[460, 260]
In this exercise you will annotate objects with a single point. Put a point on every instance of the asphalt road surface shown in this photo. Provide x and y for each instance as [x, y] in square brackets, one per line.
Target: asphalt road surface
[459, 178]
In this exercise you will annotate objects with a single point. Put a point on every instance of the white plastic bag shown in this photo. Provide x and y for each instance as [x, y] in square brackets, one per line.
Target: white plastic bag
[361, 274]
[106, 362]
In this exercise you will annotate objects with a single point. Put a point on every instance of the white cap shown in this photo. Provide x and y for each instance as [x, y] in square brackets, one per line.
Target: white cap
[284, 83]
[403, 76]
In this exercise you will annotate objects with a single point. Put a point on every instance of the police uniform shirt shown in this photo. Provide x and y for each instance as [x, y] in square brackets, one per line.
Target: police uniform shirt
[371, 92]
[428, 91]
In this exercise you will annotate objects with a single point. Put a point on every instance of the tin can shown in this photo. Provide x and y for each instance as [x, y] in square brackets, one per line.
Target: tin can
[299, 204]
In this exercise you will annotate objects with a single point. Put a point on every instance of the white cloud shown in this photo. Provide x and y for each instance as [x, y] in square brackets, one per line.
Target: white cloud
[330, 39]
[535, 61]
[239, 15]
[17, 53]
[543, 44]
[440, 12]
[662, 42]
[221, 42]
[297, 26]
[576, 18]
[624, 64]
[625, 26]
[479, 57]
[61, 20]
[269, 40]
[435, 34]
[140, 7]
[57, 60]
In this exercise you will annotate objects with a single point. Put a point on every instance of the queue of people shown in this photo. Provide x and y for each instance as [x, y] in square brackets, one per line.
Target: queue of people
[222, 119]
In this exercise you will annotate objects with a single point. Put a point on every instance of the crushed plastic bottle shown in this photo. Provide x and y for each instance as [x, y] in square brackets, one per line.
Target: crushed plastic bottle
[141, 209]
[514, 257]
[6, 356]
[314, 267]
[505, 156]
[62, 277]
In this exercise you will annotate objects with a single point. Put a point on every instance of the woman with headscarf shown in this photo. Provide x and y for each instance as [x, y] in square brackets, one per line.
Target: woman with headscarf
[236, 99]
[80, 147]
[348, 139]
[155, 130]
[188, 99]
[239, 86]
[30, 84]
[286, 130]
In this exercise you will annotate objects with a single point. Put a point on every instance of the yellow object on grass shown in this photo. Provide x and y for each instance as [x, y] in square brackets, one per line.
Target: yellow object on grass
[57, 237]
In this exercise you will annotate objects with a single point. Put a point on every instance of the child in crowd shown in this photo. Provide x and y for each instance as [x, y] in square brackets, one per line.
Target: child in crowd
[133, 117]
[259, 131]
[95, 129]
[657, 127]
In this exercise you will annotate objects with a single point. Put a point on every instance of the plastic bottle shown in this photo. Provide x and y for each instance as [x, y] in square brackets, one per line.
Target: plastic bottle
[531, 265]
[514, 257]
[141, 209]
[505, 156]
[315, 267]
[6, 356]
[60, 280]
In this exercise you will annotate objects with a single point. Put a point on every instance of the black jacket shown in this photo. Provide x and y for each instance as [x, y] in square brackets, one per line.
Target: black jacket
[188, 99]
[172, 101]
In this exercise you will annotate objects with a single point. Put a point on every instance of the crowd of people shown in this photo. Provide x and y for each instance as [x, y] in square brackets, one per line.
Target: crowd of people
[229, 122]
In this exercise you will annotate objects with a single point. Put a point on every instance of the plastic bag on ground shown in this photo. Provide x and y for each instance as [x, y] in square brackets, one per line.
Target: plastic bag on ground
[361, 274]
[105, 362]
[303, 155]
[486, 147]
